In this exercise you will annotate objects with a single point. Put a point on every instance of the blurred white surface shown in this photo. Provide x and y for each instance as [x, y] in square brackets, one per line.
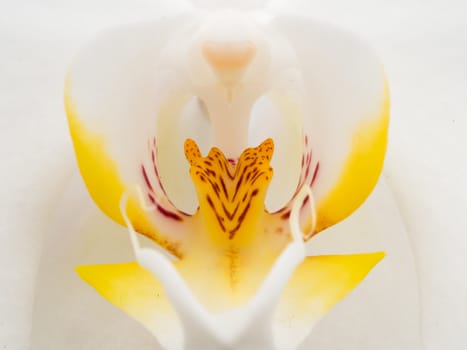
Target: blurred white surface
[424, 47]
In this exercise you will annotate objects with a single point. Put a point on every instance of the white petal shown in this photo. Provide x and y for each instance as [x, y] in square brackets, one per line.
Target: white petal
[120, 91]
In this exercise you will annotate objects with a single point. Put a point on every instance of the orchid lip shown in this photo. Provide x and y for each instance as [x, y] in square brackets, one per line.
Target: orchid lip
[226, 183]
[232, 327]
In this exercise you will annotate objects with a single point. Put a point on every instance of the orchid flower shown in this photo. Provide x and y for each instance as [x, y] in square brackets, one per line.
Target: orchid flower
[229, 138]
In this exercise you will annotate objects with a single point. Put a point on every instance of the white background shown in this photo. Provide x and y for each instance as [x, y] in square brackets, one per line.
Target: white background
[424, 47]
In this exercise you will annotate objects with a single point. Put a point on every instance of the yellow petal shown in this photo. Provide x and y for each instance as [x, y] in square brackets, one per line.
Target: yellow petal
[360, 172]
[135, 291]
[117, 107]
[318, 284]
[346, 113]
[102, 179]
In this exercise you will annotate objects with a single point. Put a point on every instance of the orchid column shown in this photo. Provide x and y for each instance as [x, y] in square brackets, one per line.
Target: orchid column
[313, 102]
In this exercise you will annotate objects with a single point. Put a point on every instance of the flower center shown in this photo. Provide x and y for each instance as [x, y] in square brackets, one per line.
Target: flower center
[231, 214]
[231, 197]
